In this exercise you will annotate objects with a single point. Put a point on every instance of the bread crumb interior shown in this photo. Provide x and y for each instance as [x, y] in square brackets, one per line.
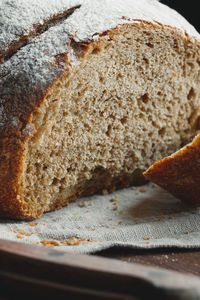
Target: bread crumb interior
[133, 100]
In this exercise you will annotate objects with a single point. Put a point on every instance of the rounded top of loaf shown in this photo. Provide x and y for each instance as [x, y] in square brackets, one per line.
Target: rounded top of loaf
[35, 37]
[19, 18]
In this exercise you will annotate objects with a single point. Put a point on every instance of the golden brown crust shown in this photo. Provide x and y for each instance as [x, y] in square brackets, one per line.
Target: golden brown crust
[11, 168]
[12, 155]
[180, 173]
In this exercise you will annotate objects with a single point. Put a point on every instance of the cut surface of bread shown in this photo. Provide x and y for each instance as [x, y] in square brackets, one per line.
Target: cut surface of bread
[179, 173]
[82, 114]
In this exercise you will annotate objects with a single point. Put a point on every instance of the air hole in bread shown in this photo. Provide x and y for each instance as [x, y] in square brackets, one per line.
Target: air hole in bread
[96, 50]
[191, 94]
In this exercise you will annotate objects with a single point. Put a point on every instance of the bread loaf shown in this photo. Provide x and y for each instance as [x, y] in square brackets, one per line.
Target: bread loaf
[92, 92]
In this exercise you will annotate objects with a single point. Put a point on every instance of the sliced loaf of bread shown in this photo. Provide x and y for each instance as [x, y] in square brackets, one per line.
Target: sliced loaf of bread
[92, 92]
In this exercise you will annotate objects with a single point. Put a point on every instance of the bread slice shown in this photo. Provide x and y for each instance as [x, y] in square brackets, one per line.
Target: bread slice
[179, 173]
[91, 94]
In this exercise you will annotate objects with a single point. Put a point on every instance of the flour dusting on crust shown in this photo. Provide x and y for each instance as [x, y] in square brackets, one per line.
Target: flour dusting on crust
[98, 16]
[17, 18]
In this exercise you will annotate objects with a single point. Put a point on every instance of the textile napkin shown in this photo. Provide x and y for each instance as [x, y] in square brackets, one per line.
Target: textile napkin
[135, 217]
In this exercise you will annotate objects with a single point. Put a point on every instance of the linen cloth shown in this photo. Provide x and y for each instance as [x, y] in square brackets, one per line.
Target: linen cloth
[142, 217]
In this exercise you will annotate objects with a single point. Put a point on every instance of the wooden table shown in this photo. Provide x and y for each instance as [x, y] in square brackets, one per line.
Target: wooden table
[37, 272]
[181, 260]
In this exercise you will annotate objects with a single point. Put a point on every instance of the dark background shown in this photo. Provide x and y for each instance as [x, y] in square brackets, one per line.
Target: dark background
[188, 8]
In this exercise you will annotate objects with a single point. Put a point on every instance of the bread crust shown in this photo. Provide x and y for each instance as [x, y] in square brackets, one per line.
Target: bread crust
[23, 93]
[179, 173]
